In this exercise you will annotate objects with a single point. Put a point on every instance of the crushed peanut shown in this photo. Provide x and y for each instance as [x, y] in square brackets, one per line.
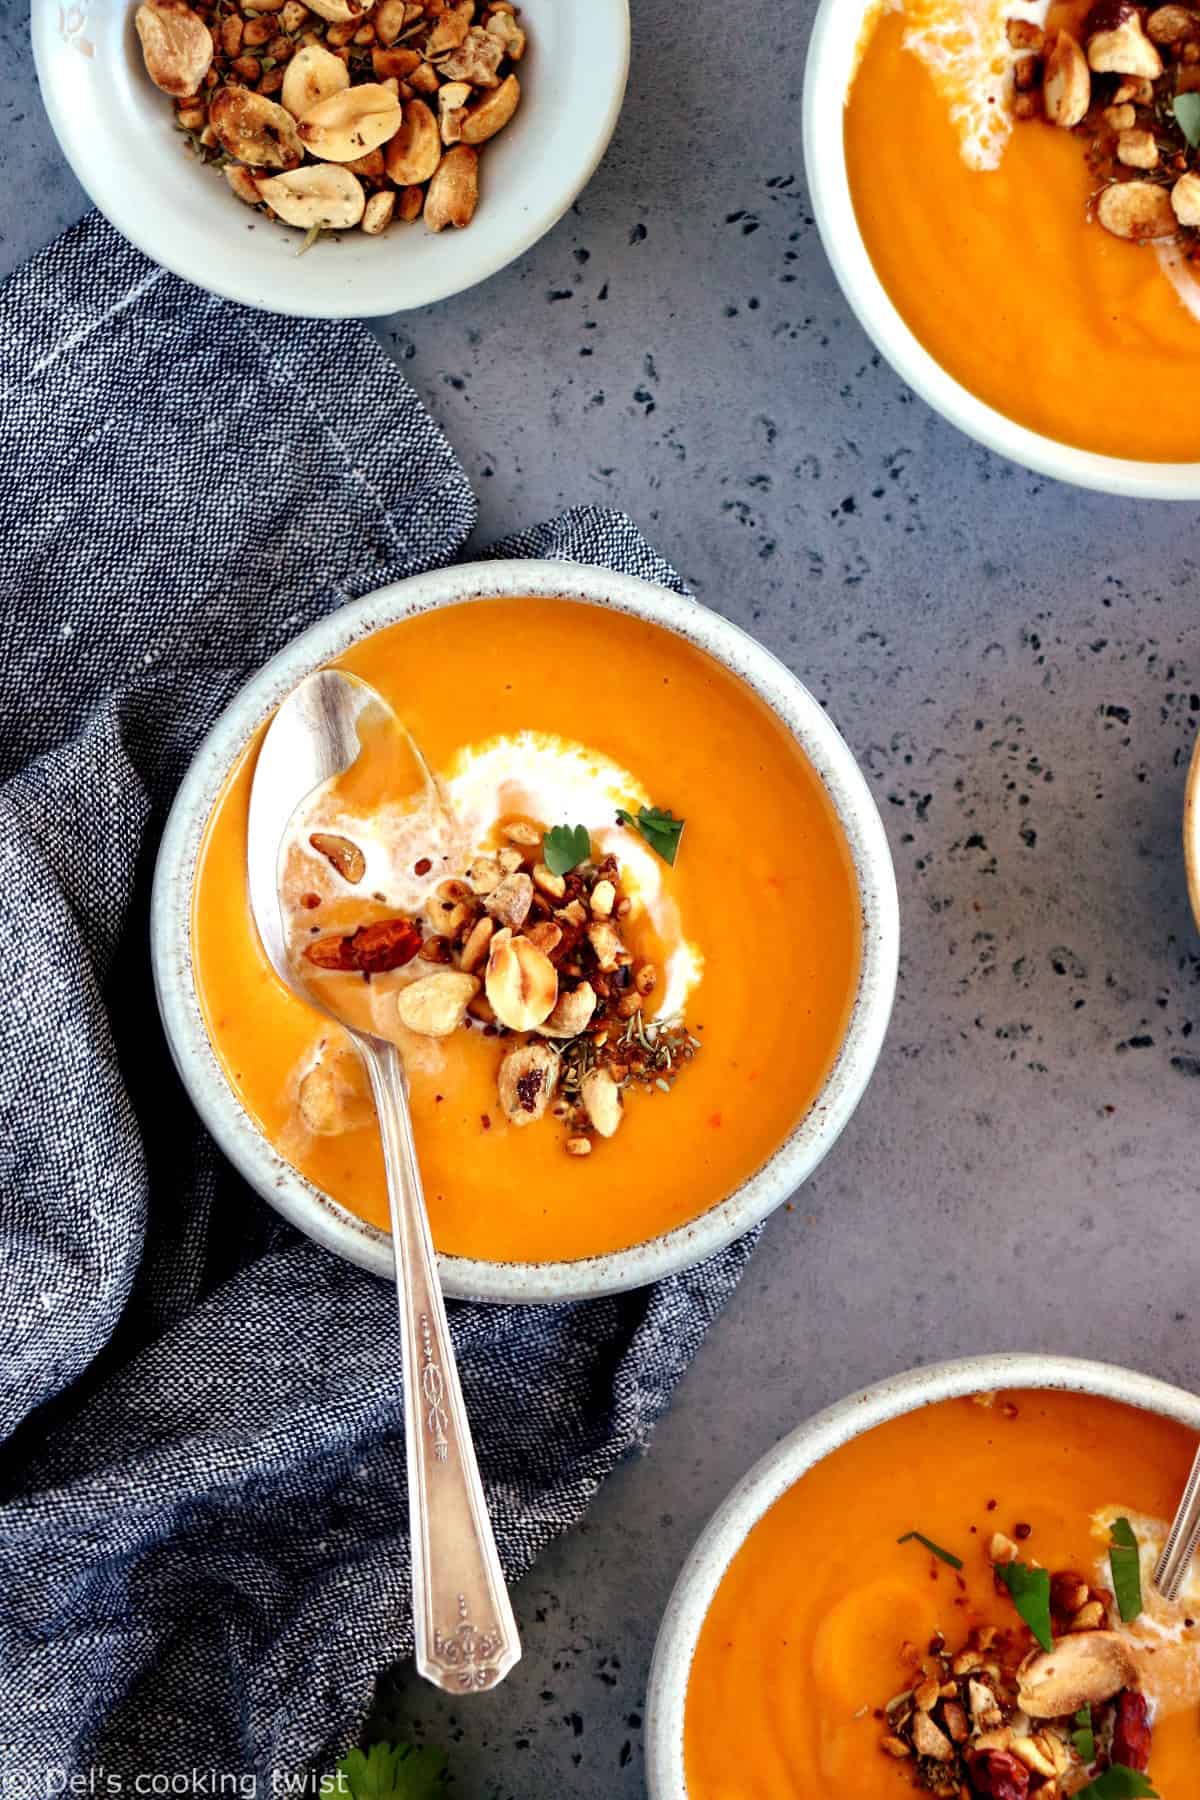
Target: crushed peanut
[1116, 90]
[997, 1718]
[293, 99]
[518, 949]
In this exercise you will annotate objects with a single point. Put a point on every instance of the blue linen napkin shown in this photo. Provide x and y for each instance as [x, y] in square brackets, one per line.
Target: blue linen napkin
[203, 1558]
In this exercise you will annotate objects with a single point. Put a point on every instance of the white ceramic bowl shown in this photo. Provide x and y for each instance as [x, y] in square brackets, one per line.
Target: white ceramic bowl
[831, 54]
[783, 1466]
[117, 132]
[322, 1218]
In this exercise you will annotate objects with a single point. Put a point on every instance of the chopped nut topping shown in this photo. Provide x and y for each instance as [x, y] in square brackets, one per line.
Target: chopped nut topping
[1137, 149]
[1067, 87]
[548, 882]
[347, 72]
[177, 46]
[572, 1014]
[1125, 50]
[1137, 210]
[493, 112]
[1083, 1669]
[476, 946]
[510, 900]
[313, 74]
[436, 1005]
[334, 1094]
[601, 1101]
[521, 982]
[527, 1079]
[453, 194]
[346, 857]
[255, 130]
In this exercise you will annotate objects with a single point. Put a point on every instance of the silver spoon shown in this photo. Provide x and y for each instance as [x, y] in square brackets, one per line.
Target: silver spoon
[1176, 1559]
[466, 1636]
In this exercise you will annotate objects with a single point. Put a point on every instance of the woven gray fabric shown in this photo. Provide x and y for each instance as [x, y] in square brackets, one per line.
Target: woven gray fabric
[203, 1558]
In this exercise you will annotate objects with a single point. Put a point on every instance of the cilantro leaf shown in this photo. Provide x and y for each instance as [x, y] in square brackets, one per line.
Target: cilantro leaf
[1186, 108]
[565, 847]
[1126, 1565]
[1084, 1737]
[392, 1772]
[947, 1556]
[1119, 1783]
[1030, 1589]
[661, 830]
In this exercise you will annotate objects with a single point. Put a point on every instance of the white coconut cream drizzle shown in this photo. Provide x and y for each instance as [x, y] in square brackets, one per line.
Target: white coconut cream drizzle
[1181, 274]
[964, 45]
[1168, 1654]
[534, 774]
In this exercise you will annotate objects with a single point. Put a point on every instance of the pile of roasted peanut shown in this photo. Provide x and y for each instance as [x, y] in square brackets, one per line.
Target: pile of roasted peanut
[332, 114]
[1117, 89]
[519, 952]
[983, 1723]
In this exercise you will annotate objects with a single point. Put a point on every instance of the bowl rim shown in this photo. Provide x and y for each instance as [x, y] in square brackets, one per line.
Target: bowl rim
[835, 34]
[324, 1219]
[809, 1444]
[165, 246]
[1191, 831]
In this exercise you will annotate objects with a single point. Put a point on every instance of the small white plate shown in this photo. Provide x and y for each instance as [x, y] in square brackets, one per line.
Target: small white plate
[118, 133]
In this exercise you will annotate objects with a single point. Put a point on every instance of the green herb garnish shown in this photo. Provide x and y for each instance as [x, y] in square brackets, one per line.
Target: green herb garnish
[392, 1772]
[1186, 108]
[1084, 1737]
[1126, 1565]
[1030, 1589]
[947, 1556]
[566, 846]
[661, 830]
[1119, 1783]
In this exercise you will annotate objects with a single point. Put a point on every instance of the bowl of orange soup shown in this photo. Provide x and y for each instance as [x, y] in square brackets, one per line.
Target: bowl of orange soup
[606, 873]
[943, 1585]
[1009, 194]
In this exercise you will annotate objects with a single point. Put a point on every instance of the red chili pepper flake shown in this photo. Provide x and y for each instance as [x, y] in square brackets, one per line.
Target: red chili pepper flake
[1131, 1732]
[529, 1086]
[485, 1121]
[310, 900]
[1000, 1775]
[1022, 1532]
[423, 867]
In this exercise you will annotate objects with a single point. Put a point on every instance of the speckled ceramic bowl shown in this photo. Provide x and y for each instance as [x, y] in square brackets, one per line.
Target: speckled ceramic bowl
[831, 56]
[313, 1211]
[118, 134]
[783, 1466]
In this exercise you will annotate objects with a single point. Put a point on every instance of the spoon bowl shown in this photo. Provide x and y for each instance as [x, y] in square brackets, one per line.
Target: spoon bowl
[465, 1634]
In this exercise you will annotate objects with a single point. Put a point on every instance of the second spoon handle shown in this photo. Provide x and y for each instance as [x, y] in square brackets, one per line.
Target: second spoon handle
[466, 1635]
[1180, 1547]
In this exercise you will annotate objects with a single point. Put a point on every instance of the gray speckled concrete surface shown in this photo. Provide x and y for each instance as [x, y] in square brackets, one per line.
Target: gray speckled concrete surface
[1018, 667]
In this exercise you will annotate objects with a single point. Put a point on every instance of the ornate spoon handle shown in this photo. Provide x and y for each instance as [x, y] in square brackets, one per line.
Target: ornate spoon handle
[466, 1636]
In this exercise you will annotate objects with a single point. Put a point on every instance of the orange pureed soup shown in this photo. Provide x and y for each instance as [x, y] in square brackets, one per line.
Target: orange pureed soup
[824, 1616]
[997, 269]
[763, 890]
